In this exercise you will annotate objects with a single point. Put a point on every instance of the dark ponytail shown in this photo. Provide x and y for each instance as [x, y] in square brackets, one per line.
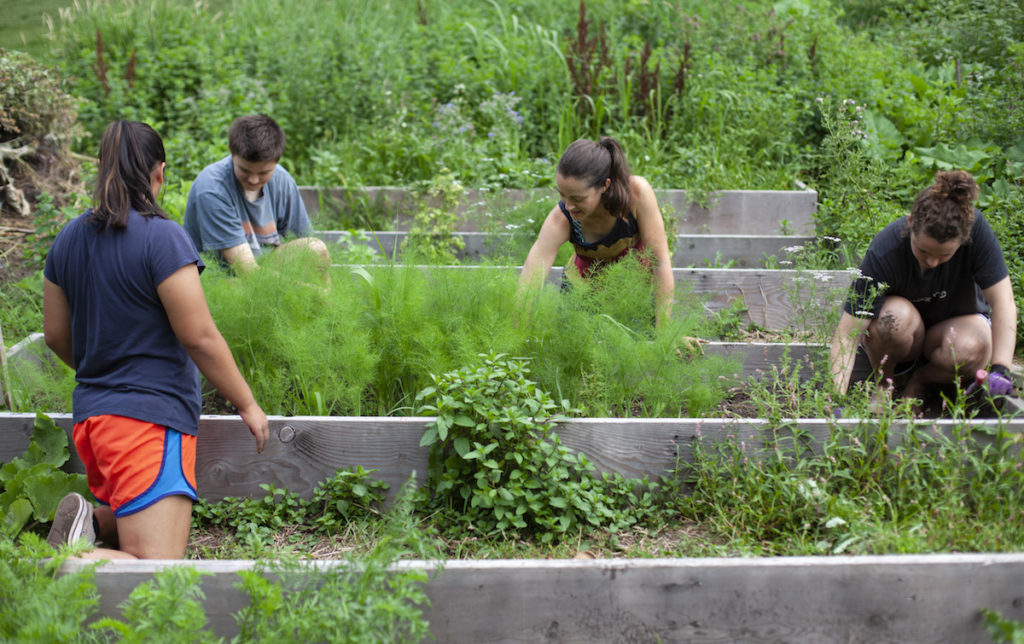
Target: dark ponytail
[129, 151]
[593, 163]
[945, 209]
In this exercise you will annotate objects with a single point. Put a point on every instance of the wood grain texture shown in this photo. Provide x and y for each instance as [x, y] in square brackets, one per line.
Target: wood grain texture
[742, 251]
[728, 212]
[898, 598]
[302, 451]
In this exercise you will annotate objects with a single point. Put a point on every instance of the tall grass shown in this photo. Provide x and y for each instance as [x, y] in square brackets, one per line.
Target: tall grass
[704, 96]
[948, 489]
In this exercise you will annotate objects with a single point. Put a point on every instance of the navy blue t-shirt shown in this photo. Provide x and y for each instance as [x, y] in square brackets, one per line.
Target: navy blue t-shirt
[950, 289]
[128, 362]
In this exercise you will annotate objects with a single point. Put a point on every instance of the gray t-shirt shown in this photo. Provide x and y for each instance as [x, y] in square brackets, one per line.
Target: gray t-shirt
[218, 216]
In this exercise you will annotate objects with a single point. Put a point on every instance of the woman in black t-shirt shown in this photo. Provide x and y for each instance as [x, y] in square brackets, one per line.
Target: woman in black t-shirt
[933, 294]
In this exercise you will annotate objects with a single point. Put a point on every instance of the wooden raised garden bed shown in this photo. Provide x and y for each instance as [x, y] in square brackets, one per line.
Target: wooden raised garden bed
[797, 599]
[730, 212]
[898, 598]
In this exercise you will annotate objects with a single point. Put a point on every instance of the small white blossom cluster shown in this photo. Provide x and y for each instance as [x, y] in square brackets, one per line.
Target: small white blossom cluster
[856, 122]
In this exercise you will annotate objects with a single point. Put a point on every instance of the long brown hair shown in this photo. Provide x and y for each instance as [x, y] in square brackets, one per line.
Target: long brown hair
[129, 151]
[945, 209]
[594, 162]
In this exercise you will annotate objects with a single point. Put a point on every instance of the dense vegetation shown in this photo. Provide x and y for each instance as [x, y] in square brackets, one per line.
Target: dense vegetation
[860, 100]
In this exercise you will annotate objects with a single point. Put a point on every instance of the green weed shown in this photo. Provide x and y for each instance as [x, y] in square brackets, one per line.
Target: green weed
[348, 496]
[857, 490]
[1002, 629]
[29, 582]
[496, 466]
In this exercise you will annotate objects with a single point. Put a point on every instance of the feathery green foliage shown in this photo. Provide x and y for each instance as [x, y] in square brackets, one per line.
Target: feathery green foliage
[30, 588]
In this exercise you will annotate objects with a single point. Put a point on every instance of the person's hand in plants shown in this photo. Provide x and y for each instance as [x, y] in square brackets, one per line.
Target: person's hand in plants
[690, 346]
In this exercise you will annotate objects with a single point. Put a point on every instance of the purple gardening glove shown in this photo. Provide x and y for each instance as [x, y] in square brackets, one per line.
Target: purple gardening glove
[999, 381]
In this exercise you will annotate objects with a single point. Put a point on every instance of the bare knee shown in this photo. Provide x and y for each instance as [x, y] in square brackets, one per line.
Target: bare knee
[897, 332]
[962, 348]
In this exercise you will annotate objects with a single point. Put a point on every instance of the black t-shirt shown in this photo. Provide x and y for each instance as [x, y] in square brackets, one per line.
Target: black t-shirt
[950, 289]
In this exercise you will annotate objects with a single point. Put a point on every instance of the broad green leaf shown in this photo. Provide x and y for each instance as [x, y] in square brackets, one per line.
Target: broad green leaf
[16, 517]
[429, 437]
[49, 443]
[461, 445]
[45, 489]
[463, 420]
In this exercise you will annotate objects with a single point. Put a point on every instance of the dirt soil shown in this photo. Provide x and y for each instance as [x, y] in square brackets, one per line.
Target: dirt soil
[14, 232]
[54, 171]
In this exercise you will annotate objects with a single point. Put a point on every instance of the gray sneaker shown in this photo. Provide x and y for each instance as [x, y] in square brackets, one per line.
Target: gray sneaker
[72, 521]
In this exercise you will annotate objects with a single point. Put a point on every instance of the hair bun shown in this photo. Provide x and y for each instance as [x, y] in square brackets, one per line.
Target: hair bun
[955, 185]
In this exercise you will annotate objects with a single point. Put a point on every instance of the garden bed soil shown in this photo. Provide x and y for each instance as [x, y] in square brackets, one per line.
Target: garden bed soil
[14, 234]
[670, 540]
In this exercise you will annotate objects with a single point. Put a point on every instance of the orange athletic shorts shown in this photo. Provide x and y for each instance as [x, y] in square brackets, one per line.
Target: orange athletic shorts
[132, 464]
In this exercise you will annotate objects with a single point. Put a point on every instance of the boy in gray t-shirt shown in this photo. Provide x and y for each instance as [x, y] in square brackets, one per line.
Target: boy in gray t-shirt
[246, 203]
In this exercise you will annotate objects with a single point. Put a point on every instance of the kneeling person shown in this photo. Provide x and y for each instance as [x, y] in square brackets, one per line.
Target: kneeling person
[246, 203]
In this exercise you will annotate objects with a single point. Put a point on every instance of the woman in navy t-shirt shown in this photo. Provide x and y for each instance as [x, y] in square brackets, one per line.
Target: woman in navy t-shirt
[123, 306]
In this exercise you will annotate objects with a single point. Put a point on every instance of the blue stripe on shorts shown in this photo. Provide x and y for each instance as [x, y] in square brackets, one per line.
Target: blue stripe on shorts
[170, 481]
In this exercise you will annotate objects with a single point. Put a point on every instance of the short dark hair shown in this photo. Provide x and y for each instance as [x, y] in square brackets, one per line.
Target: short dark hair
[256, 138]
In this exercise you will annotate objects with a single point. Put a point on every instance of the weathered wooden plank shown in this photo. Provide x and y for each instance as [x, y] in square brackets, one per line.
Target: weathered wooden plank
[305, 450]
[894, 598]
[729, 212]
[739, 251]
[15, 434]
[774, 299]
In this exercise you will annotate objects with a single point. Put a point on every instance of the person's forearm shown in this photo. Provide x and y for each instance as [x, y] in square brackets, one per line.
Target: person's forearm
[1004, 334]
[842, 356]
[213, 357]
[664, 294]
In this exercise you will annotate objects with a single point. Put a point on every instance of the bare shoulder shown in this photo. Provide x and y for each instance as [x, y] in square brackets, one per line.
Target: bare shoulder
[644, 198]
[556, 221]
[639, 184]
[642, 191]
